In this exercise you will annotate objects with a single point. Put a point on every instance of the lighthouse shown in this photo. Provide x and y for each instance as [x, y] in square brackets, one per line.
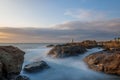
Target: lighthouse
[72, 40]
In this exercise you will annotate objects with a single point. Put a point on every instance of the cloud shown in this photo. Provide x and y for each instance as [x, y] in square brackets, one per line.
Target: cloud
[86, 15]
[112, 25]
[98, 30]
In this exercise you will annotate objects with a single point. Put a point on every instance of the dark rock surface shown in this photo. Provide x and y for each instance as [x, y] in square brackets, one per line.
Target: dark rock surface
[66, 50]
[50, 45]
[108, 62]
[11, 60]
[36, 66]
[22, 77]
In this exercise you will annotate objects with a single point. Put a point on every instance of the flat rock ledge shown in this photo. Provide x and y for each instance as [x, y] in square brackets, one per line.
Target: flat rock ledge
[11, 60]
[104, 61]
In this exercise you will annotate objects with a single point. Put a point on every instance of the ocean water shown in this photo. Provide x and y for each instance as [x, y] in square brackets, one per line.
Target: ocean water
[72, 68]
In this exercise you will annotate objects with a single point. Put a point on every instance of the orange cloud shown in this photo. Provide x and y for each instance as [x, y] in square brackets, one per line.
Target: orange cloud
[4, 36]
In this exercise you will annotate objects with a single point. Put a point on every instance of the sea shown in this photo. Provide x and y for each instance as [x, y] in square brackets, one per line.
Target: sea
[71, 68]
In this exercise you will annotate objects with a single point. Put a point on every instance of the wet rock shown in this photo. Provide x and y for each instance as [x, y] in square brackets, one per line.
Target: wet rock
[22, 77]
[11, 60]
[1, 70]
[108, 62]
[36, 66]
[66, 50]
[51, 45]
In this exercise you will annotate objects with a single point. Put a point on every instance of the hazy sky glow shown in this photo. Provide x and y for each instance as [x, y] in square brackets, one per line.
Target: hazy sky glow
[58, 20]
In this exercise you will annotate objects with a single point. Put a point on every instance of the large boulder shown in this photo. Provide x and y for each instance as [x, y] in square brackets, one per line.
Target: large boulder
[36, 66]
[108, 62]
[66, 50]
[11, 60]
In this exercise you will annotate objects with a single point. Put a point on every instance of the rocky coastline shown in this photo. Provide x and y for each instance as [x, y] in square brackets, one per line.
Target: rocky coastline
[107, 61]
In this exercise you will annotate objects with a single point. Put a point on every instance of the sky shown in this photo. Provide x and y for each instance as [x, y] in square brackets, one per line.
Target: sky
[36, 21]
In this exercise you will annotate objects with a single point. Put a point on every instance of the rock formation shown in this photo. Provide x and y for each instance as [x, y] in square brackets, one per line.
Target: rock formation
[66, 50]
[50, 45]
[110, 45]
[11, 60]
[22, 77]
[89, 44]
[108, 62]
[36, 66]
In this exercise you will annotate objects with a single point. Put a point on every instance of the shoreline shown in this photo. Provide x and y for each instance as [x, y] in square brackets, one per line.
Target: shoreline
[43, 56]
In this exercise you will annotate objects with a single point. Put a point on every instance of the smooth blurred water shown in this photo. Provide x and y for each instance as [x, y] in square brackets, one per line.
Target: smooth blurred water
[72, 68]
